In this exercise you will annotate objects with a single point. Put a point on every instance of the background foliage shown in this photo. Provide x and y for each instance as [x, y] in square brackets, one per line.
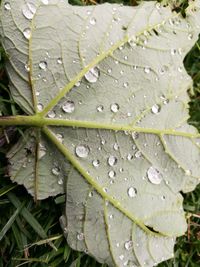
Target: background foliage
[30, 233]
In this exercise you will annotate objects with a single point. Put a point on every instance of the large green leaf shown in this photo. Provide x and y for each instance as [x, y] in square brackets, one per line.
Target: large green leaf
[105, 91]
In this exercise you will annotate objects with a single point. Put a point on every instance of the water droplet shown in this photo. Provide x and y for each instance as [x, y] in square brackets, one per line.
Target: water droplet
[112, 160]
[27, 33]
[188, 172]
[111, 174]
[27, 67]
[132, 41]
[105, 189]
[56, 171]
[163, 197]
[51, 114]
[96, 163]
[68, 106]
[126, 57]
[60, 137]
[125, 84]
[103, 141]
[92, 75]
[60, 181]
[109, 71]
[154, 176]
[28, 10]
[173, 51]
[82, 151]
[43, 65]
[111, 216]
[114, 107]
[80, 236]
[93, 21]
[100, 108]
[7, 6]
[180, 69]
[147, 70]
[45, 2]
[128, 245]
[132, 192]
[155, 109]
[138, 154]
[40, 107]
[135, 135]
[59, 60]
[116, 146]
[121, 257]
[190, 36]
[42, 151]
[129, 157]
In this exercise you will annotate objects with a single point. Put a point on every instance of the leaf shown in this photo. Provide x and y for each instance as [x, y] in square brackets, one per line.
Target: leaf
[105, 93]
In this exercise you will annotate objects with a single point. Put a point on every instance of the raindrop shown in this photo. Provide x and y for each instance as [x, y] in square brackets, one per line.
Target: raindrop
[154, 176]
[116, 146]
[55, 171]
[28, 10]
[155, 109]
[111, 174]
[92, 75]
[128, 245]
[43, 65]
[100, 108]
[7, 6]
[112, 160]
[96, 163]
[125, 84]
[80, 236]
[60, 181]
[147, 70]
[114, 107]
[51, 114]
[27, 33]
[27, 67]
[135, 135]
[132, 192]
[59, 60]
[40, 107]
[45, 2]
[93, 21]
[68, 106]
[82, 151]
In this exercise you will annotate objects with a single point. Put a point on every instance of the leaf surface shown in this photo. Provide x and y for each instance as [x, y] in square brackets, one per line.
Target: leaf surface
[110, 90]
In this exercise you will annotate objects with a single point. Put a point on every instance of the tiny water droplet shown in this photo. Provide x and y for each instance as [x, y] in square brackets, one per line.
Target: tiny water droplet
[135, 135]
[96, 163]
[60, 137]
[125, 84]
[82, 151]
[100, 108]
[109, 71]
[111, 174]
[188, 172]
[112, 160]
[68, 106]
[27, 67]
[90, 194]
[121, 257]
[27, 33]
[43, 65]
[93, 21]
[7, 6]
[129, 157]
[40, 107]
[59, 60]
[92, 75]
[105, 189]
[28, 10]
[51, 114]
[60, 181]
[132, 192]
[190, 36]
[147, 70]
[111, 216]
[45, 2]
[55, 171]
[114, 107]
[128, 245]
[180, 69]
[80, 236]
[116, 146]
[155, 109]
[138, 154]
[154, 176]
[163, 197]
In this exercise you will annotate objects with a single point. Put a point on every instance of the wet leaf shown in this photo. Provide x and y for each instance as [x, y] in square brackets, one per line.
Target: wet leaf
[105, 93]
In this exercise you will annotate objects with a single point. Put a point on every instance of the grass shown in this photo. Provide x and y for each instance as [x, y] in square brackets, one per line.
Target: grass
[30, 233]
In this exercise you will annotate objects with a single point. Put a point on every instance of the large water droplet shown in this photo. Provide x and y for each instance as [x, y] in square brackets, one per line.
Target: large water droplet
[68, 106]
[96, 163]
[154, 176]
[27, 33]
[43, 65]
[92, 75]
[112, 160]
[114, 107]
[82, 151]
[80, 236]
[128, 245]
[132, 192]
[28, 10]
[155, 109]
[7, 6]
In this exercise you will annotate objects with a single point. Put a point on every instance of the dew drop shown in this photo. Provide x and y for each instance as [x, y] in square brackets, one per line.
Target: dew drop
[111, 174]
[190, 36]
[112, 160]
[132, 192]
[7, 6]
[155, 109]
[100, 108]
[27, 67]
[82, 151]
[40, 107]
[55, 171]
[60, 137]
[68, 106]
[43, 65]
[105, 189]
[90, 194]
[180, 69]
[96, 163]
[42, 151]
[59, 60]
[154, 176]
[129, 157]
[92, 75]
[114, 107]
[116, 146]
[93, 21]
[51, 114]
[147, 70]
[111, 216]
[126, 57]
[27, 33]
[28, 10]
[125, 84]
[80, 236]
[128, 245]
[188, 172]
[109, 71]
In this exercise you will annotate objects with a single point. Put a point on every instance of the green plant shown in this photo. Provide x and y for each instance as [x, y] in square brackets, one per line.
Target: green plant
[104, 168]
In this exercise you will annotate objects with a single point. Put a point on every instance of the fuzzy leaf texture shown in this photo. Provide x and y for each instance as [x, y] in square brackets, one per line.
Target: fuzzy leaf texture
[109, 87]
